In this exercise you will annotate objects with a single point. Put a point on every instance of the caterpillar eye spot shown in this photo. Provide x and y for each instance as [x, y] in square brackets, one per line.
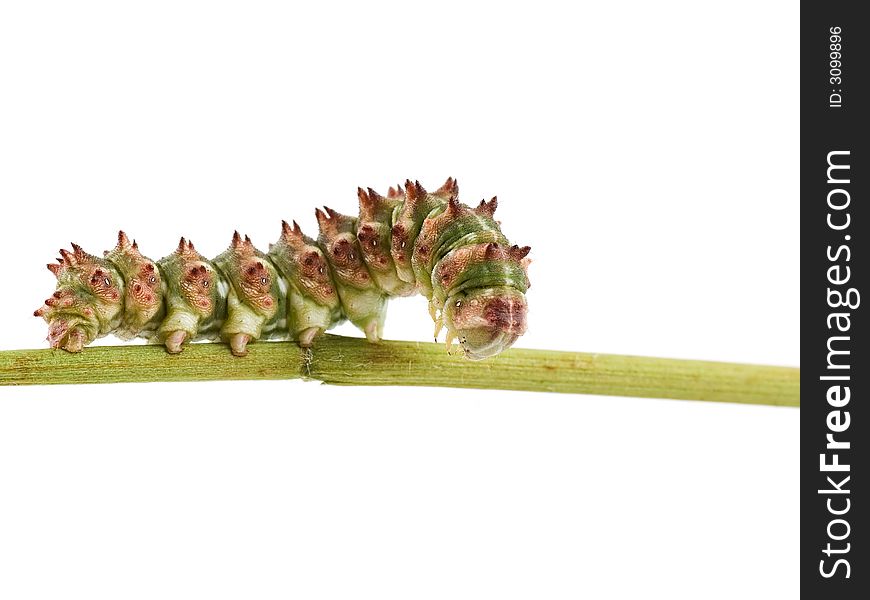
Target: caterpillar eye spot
[205, 283]
[264, 281]
[458, 303]
[402, 244]
[320, 270]
[152, 279]
[374, 243]
[107, 282]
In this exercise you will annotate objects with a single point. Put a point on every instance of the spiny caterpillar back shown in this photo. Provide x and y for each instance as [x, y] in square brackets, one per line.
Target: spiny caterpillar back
[406, 242]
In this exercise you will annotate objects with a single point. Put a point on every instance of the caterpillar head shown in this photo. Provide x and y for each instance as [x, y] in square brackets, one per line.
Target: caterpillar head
[482, 288]
[488, 321]
[143, 299]
[87, 302]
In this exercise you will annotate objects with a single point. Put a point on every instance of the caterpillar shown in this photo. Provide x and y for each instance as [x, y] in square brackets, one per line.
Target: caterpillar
[409, 241]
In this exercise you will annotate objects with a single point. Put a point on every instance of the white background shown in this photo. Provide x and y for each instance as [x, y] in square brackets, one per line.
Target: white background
[648, 152]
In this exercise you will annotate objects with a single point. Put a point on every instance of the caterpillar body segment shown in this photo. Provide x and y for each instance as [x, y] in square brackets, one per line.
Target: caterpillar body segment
[406, 242]
[194, 296]
[312, 300]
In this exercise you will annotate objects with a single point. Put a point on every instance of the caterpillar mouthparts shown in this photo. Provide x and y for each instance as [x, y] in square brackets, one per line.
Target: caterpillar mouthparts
[406, 242]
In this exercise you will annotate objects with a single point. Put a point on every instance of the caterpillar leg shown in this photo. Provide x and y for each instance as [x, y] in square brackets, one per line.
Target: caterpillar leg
[451, 337]
[75, 341]
[433, 312]
[179, 327]
[307, 336]
[239, 344]
[437, 317]
[174, 341]
[372, 331]
[243, 325]
[62, 335]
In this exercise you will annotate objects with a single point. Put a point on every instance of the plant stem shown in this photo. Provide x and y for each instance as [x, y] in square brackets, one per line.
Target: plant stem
[351, 361]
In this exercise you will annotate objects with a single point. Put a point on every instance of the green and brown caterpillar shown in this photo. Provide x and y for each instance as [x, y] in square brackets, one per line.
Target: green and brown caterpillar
[406, 242]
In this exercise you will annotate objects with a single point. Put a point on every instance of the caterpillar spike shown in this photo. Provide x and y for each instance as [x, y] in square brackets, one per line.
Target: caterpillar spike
[405, 242]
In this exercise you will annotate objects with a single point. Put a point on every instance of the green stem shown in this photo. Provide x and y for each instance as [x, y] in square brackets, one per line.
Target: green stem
[351, 361]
